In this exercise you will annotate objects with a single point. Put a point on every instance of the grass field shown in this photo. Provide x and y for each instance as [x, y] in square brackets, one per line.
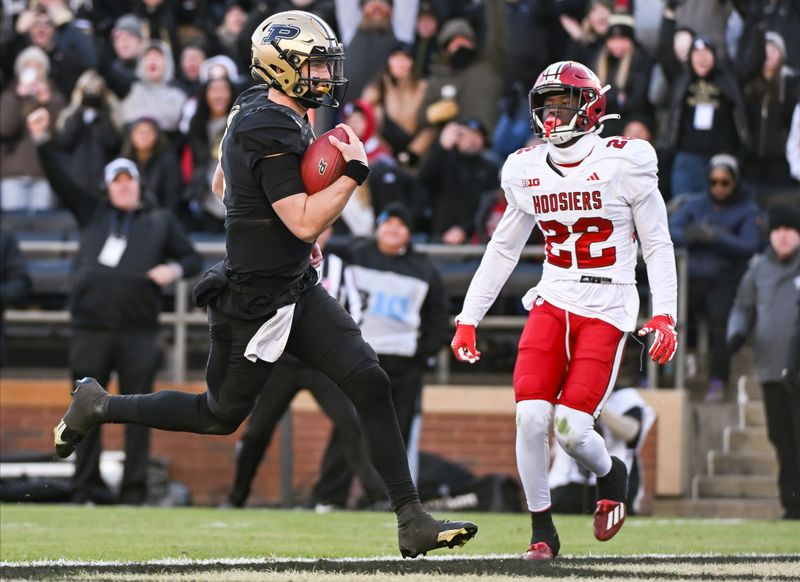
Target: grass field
[61, 542]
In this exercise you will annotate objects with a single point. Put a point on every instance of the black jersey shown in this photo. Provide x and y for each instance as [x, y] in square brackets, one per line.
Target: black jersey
[261, 250]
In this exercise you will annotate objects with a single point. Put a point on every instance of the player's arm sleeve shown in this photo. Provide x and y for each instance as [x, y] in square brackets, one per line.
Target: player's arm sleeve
[650, 220]
[502, 255]
[279, 176]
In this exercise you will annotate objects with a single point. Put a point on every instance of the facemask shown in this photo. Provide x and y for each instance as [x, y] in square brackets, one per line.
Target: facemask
[93, 100]
[462, 57]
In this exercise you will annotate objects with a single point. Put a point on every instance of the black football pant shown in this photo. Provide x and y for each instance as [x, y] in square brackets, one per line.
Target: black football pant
[782, 407]
[135, 357]
[333, 484]
[324, 336]
[288, 377]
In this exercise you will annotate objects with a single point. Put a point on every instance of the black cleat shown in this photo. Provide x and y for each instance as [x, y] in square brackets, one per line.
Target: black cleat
[421, 533]
[89, 402]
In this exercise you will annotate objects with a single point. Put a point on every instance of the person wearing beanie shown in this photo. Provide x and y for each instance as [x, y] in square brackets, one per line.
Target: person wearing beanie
[720, 230]
[468, 81]
[770, 98]
[405, 320]
[766, 310]
[118, 61]
[624, 65]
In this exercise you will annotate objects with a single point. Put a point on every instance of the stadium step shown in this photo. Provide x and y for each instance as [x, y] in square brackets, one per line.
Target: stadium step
[739, 440]
[741, 463]
[754, 414]
[735, 486]
[717, 508]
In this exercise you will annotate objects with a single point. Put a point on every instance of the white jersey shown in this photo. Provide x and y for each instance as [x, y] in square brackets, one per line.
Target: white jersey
[588, 214]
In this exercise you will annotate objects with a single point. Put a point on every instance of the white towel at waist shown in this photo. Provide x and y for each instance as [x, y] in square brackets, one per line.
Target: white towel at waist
[270, 340]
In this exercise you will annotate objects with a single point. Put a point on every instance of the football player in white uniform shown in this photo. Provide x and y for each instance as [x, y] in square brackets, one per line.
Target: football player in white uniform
[592, 198]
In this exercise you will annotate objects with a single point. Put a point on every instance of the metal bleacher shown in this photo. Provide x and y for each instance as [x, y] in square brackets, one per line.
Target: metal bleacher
[50, 239]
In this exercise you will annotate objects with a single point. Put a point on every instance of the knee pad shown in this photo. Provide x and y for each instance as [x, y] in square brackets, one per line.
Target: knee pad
[534, 418]
[571, 427]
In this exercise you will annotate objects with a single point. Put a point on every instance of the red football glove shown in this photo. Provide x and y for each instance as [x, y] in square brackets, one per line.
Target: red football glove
[666, 338]
[463, 344]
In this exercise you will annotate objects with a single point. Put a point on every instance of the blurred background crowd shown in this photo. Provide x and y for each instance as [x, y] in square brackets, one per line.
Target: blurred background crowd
[438, 93]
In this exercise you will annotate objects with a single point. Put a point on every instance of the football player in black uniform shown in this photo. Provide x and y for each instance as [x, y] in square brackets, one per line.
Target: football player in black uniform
[270, 229]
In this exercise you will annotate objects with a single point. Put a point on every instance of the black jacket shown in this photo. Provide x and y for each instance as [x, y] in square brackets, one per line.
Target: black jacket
[123, 297]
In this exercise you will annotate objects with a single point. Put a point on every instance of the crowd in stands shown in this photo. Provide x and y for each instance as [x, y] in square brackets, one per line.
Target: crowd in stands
[438, 93]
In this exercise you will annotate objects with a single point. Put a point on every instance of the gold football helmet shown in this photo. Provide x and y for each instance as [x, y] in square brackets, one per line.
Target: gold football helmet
[298, 54]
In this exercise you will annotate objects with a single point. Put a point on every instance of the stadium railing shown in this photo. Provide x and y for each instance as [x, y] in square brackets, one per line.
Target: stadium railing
[183, 315]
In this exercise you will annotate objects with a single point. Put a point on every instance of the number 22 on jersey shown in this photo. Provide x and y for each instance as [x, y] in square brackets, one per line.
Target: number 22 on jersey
[590, 230]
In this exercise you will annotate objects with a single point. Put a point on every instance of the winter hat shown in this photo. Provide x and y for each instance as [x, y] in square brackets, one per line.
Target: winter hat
[702, 41]
[129, 23]
[396, 210]
[787, 216]
[29, 54]
[621, 24]
[726, 161]
[775, 38]
[475, 124]
[456, 27]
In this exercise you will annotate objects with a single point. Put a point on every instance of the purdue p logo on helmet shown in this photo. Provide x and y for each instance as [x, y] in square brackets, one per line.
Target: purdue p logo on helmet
[289, 49]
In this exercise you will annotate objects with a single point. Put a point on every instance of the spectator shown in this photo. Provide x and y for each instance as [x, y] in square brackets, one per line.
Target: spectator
[456, 172]
[15, 283]
[226, 35]
[70, 51]
[708, 19]
[90, 130]
[766, 303]
[152, 95]
[118, 65]
[528, 24]
[426, 28]
[624, 424]
[369, 48]
[387, 183]
[638, 126]
[707, 114]
[625, 66]
[453, 84]
[205, 134]
[793, 144]
[397, 96]
[721, 233]
[159, 23]
[587, 37]
[147, 146]
[405, 322]
[770, 99]
[23, 185]
[287, 379]
[188, 78]
[128, 252]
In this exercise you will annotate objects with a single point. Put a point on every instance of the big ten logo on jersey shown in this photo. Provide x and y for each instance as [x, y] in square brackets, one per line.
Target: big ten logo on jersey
[385, 304]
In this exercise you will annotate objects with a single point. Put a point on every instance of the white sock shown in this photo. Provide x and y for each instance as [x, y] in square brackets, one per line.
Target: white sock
[575, 432]
[534, 419]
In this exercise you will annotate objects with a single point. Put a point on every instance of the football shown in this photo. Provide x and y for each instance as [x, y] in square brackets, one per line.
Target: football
[322, 163]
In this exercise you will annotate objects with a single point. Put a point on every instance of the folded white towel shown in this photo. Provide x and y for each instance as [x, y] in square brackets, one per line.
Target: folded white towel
[270, 340]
